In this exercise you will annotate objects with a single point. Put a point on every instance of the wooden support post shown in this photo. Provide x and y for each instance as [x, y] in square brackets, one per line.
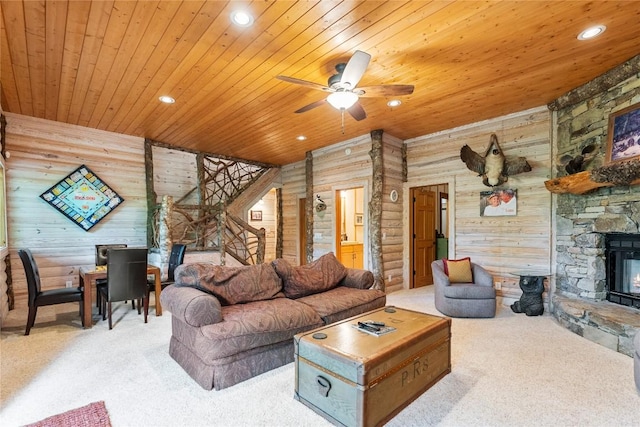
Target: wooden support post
[151, 194]
[164, 231]
[202, 195]
[280, 224]
[309, 205]
[375, 210]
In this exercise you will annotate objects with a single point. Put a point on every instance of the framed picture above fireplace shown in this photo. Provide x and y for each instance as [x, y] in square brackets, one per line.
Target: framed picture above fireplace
[623, 137]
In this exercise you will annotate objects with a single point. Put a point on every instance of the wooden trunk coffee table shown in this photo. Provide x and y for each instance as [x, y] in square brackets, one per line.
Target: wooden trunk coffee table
[355, 378]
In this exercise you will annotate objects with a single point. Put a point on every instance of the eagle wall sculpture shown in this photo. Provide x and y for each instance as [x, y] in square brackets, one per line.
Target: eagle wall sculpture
[494, 168]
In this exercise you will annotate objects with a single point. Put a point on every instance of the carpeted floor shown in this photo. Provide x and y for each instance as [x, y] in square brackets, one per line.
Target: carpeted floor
[511, 370]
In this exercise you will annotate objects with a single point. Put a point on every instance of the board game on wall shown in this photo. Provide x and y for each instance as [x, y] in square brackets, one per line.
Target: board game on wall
[82, 197]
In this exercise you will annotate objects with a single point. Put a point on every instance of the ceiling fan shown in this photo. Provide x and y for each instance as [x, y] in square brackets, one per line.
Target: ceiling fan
[344, 93]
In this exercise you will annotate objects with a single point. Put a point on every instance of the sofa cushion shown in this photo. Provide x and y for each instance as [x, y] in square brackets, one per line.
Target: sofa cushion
[469, 291]
[231, 285]
[249, 326]
[357, 278]
[458, 270]
[343, 302]
[318, 276]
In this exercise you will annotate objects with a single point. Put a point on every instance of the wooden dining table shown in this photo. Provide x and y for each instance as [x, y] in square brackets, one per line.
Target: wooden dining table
[88, 277]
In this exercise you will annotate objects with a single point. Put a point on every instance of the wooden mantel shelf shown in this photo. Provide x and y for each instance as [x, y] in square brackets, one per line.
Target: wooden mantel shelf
[578, 183]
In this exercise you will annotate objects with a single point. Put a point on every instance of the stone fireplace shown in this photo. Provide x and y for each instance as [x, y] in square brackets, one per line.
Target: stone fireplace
[582, 302]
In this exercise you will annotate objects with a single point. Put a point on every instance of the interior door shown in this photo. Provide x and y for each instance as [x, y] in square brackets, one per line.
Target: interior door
[423, 224]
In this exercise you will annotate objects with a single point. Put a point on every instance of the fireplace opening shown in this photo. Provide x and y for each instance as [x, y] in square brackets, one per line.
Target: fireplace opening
[622, 252]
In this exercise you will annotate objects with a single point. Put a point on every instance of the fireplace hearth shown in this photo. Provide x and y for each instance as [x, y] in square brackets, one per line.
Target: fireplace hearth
[622, 253]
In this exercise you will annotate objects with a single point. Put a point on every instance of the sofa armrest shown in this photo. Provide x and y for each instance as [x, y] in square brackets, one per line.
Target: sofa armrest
[357, 278]
[481, 276]
[192, 306]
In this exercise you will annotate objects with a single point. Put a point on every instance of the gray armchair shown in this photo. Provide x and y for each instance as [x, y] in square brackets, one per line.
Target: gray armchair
[477, 299]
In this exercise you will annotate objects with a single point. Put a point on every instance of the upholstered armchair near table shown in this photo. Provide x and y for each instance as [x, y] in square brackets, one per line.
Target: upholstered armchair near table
[465, 289]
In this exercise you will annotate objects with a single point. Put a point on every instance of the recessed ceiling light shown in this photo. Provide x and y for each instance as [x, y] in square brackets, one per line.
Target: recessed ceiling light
[394, 103]
[591, 32]
[241, 18]
[301, 137]
[167, 99]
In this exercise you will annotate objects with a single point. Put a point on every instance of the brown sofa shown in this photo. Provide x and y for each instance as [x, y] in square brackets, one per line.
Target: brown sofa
[232, 323]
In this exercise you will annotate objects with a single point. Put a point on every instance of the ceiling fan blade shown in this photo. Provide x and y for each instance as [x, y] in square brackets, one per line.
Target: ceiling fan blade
[306, 83]
[357, 112]
[311, 106]
[384, 90]
[355, 69]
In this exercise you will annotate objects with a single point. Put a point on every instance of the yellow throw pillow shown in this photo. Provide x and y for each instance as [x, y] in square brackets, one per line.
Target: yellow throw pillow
[458, 270]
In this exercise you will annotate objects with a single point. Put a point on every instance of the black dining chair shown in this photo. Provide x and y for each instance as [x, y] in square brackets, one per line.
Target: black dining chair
[38, 297]
[101, 259]
[175, 259]
[126, 279]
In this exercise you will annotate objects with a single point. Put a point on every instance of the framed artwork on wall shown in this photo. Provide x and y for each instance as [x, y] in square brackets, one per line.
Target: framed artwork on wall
[359, 219]
[82, 197]
[498, 202]
[256, 215]
[623, 136]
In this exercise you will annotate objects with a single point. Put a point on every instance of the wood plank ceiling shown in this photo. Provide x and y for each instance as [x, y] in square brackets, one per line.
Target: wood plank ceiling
[103, 64]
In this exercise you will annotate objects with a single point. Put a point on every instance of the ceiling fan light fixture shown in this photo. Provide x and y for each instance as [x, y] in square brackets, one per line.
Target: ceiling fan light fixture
[394, 103]
[241, 18]
[342, 100]
[591, 32]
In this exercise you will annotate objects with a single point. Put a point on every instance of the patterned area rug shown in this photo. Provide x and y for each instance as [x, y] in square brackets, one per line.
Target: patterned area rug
[93, 415]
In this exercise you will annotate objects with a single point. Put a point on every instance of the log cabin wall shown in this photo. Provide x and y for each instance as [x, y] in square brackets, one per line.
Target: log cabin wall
[392, 224]
[341, 166]
[41, 153]
[506, 244]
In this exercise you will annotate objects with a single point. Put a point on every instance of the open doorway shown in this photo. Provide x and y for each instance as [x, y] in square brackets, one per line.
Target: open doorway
[350, 229]
[429, 231]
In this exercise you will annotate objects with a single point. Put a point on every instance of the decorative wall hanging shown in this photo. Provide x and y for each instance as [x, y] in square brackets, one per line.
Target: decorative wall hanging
[498, 202]
[623, 138]
[494, 168]
[82, 197]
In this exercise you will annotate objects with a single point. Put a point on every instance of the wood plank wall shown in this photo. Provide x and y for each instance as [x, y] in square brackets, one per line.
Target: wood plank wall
[334, 170]
[41, 153]
[293, 192]
[341, 166]
[392, 220]
[175, 173]
[504, 245]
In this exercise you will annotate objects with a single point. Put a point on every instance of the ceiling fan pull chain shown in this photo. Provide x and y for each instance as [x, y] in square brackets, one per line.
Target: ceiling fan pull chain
[342, 114]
